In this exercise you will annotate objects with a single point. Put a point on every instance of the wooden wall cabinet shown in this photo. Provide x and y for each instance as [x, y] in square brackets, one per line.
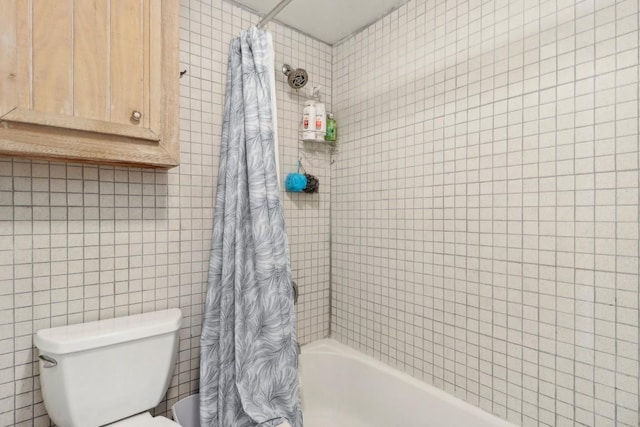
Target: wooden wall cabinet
[90, 80]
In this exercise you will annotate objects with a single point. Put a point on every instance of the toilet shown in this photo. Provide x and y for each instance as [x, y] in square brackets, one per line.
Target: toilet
[109, 372]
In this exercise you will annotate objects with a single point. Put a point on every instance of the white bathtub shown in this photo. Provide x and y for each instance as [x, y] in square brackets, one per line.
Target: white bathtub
[344, 388]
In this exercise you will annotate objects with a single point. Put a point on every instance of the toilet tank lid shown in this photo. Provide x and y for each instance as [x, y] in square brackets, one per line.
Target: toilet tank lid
[101, 333]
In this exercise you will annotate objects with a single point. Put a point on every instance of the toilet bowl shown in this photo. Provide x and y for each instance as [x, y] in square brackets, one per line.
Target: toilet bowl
[144, 420]
[109, 372]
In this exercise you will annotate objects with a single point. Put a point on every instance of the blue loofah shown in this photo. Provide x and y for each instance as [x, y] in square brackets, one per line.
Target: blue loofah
[295, 182]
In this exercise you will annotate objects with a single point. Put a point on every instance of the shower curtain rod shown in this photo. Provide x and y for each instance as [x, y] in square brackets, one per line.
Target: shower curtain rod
[276, 10]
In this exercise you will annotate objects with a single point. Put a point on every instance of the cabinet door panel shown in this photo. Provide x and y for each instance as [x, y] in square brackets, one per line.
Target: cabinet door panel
[155, 84]
[91, 59]
[8, 86]
[53, 56]
[23, 30]
[127, 60]
[73, 72]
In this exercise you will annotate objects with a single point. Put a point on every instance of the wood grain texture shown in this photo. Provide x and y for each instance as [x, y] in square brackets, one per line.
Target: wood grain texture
[127, 60]
[170, 78]
[62, 144]
[19, 115]
[52, 86]
[91, 59]
[154, 80]
[24, 40]
[54, 135]
[8, 64]
[148, 41]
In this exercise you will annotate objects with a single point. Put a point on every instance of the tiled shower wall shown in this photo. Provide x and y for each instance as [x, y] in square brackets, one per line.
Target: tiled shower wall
[485, 203]
[80, 243]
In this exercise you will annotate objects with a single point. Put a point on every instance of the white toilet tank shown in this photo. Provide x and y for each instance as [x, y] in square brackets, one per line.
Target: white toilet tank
[100, 372]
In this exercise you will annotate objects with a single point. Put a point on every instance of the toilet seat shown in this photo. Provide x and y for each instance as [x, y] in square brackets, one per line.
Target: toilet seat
[144, 420]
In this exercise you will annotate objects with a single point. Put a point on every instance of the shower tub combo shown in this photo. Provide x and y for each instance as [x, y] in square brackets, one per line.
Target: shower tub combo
[344, 388]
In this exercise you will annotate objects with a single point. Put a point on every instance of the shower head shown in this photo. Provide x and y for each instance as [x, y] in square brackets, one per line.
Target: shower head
[297, 78]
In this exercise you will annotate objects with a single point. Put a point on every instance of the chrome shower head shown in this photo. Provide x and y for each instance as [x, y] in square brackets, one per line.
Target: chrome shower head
[297, 78]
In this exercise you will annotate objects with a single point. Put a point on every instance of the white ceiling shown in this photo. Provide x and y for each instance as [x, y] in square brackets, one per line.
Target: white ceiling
[327, 20]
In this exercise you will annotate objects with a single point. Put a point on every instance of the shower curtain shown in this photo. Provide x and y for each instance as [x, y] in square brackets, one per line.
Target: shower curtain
[248, 367]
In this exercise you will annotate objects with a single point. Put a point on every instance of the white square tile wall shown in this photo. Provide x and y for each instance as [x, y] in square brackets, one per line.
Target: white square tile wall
[485, 203]
[80, 243]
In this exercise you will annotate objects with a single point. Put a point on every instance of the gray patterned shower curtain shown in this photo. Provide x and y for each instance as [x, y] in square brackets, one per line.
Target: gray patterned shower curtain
[248, 367]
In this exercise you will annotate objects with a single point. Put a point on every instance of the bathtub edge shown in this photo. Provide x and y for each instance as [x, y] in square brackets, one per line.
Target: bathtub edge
[332, 347]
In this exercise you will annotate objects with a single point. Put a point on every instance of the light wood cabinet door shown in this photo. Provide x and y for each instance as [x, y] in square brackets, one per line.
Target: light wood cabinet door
[90, 80]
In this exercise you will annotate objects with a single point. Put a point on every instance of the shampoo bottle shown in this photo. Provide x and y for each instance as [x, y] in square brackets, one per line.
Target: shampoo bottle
[309, 121]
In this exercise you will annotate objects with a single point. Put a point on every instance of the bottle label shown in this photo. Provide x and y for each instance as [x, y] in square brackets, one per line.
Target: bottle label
[318, 123]
[306, 122]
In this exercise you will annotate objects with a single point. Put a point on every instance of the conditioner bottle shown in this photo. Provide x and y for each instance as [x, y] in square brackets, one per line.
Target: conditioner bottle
[321, 122]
